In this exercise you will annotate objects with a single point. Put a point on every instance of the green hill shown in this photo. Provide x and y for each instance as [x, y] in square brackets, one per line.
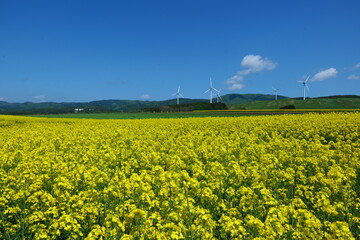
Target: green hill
[232, 99]
[102, 106]
[29, 108]
[314, 103]
[137, 105]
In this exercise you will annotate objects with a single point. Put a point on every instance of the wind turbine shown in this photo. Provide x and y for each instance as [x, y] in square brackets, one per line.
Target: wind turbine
[178, 95]
[218, 97]
[210, 89]
[304, 83]
[276, 90]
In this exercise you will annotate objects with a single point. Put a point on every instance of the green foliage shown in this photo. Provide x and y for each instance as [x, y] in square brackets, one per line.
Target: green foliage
[187, 107]
[288, 107]
[314, 103]
[232, 99]
[104, 106]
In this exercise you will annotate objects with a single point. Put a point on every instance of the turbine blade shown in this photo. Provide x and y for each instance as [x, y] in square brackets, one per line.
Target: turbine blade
[206, 91]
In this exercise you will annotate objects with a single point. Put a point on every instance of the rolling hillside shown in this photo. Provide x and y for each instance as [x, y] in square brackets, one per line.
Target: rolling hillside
[94, 106]
[117, 105]
[233, 101]
[315, 103]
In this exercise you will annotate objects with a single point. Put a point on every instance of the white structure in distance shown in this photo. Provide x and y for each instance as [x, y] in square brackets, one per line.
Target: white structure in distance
[211, 89]
[218, 97]
[178, 95]
[304, 83]
[276, 90]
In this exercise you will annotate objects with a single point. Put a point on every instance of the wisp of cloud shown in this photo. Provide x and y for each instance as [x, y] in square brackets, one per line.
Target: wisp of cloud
[325, 74]
[252, 63]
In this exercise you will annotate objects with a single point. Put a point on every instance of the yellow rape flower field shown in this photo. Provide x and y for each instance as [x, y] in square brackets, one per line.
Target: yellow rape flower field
[261, 177]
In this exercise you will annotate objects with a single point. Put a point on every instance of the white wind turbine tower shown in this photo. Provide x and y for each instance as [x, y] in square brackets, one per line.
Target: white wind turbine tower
[211, 90]
[304, 83]
[276, 90]
[178, 95]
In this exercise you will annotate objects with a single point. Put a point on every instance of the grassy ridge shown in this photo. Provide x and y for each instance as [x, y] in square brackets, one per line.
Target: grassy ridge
[316, 103]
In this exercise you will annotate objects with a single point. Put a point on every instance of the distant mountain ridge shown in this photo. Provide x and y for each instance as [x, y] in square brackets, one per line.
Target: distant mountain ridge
[234, 100]
[93, 106]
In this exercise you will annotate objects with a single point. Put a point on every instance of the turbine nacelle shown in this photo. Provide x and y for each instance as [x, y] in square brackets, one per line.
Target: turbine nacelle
[304, 82]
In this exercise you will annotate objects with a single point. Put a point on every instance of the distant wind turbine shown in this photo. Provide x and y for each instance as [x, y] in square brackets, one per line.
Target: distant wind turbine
[276, 90]
[210, 89]
[304, 83]
[218, 97]
[178, 95]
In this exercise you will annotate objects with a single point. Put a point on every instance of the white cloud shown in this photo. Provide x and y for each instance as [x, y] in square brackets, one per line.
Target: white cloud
[252, 63]
[40, 97]
[234, 79]
[145, 96]
[235, 82]
[2, 99]
[353, 77]
[357, 65]
[236, 86]
[256, 63]
[325, 74]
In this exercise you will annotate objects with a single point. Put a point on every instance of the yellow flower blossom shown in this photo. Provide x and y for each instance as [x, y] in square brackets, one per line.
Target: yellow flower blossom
[261, 177]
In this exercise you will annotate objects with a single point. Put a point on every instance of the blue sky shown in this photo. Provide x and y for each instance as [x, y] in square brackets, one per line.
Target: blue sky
[74, 51]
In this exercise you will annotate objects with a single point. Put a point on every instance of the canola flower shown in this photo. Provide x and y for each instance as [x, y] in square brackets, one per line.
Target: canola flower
[263, 177]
